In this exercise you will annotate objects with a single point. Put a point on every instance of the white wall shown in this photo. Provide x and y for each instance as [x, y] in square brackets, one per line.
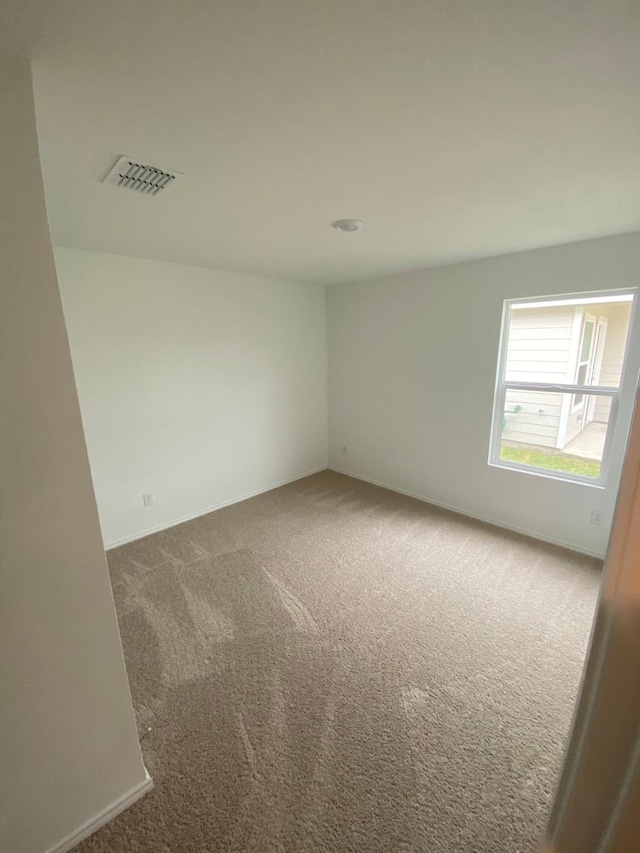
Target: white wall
[412, 364]
[196, 385]
[69, 747]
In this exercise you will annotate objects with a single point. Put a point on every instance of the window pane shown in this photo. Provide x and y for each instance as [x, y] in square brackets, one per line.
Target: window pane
[540, 430]
[587, 337]
[551, 341]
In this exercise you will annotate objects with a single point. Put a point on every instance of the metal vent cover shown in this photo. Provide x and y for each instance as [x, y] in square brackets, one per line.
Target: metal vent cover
[130, 174]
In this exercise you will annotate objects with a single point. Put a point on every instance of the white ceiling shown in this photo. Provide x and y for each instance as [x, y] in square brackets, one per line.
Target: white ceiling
[455, 128]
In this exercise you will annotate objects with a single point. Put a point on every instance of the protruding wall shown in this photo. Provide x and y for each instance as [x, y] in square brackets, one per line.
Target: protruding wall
[69, 750]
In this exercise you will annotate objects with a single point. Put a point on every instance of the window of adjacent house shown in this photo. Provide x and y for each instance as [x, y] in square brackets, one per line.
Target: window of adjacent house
[559, 376]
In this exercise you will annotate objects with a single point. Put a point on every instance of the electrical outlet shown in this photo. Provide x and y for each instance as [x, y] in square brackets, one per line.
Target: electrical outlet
[147, 499]
[596, 516]
[344, 449]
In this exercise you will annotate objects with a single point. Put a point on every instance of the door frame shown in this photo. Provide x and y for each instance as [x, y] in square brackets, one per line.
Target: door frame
[597, 804]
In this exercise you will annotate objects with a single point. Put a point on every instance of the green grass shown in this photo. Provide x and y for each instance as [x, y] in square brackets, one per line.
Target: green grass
[552, 461]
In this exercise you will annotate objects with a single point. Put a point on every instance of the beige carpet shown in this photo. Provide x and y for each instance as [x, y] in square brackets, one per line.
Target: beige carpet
[333, 667]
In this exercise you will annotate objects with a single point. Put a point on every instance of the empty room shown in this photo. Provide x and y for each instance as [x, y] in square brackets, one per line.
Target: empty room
[319, 461]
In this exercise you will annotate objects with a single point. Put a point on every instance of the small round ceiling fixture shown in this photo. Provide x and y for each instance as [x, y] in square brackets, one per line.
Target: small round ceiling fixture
[348, 225]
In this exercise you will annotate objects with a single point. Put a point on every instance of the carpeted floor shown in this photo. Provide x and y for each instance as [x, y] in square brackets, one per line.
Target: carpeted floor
[334, 667]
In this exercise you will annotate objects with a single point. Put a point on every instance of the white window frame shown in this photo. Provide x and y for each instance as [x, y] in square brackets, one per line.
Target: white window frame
[502, 385]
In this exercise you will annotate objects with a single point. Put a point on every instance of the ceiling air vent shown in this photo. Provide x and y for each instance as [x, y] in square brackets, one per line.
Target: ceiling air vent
[140, 177]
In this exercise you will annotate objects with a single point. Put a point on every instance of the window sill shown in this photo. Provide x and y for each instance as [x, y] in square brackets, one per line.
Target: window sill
[548, 475]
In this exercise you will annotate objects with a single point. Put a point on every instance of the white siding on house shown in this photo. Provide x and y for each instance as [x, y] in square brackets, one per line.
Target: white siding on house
[539, 349]
[539, 342]
[575, 423]
[614, 346]
[543, 347]
[617, 315]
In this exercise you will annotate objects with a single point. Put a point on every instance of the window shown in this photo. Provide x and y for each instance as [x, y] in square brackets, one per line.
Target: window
[559, 375]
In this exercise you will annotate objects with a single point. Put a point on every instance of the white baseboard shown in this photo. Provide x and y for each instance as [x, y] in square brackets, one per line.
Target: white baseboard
[469, 514]
[103, 817]
[116, 543]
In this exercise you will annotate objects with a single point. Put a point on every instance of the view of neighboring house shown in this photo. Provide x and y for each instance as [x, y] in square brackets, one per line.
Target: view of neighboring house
[567, 342]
